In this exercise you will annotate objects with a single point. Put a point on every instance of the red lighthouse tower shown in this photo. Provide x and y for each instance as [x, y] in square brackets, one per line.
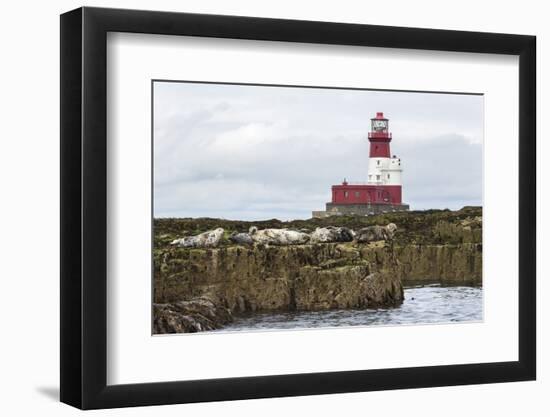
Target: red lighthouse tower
[379, 137]
[382, 192]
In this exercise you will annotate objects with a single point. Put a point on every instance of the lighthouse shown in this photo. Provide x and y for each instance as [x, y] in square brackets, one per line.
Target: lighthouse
[384, 170]
[382, 192]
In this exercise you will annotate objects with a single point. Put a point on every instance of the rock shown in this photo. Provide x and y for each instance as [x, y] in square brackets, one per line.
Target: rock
[279, 278]
[332, 234]
[376, 233]
[189, 316]
[349, 286]
[433, 246]
[280, 237]
[241, 238]
[468, 230]
[209, 239]
[448, 264]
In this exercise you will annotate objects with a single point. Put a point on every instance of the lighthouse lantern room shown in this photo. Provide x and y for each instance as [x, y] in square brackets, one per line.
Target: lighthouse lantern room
[382, 192]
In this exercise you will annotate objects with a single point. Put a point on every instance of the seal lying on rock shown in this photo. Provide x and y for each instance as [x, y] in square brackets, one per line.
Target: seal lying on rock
[209, 239]
[241, 238]
[375, 233]
[332, 234]
[278, 236]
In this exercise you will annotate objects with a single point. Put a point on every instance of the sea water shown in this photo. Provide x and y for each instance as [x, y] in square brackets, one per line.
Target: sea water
[425, 304]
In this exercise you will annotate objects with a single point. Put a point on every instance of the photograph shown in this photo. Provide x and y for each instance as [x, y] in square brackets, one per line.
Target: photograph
[269, 209]
[298, 207]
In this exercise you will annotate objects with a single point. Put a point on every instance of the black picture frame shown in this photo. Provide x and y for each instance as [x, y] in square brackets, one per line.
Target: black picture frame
[84, 207]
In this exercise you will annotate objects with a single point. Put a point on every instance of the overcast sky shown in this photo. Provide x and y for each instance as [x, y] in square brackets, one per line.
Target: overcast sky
[254, 152]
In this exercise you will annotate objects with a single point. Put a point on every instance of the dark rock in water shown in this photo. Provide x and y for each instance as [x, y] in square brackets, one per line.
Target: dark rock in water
[189, 316]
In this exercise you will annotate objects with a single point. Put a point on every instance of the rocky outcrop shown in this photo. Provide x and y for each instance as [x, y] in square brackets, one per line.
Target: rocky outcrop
[303, 277]
[446, 264]
[467, 230]
[189, 316]
[413, 227]
[200, 287]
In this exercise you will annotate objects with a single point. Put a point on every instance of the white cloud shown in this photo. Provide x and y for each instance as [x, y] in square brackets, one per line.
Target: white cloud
[249, 152]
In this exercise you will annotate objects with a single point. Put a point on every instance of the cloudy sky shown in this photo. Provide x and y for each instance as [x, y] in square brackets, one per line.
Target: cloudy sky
[259, 152]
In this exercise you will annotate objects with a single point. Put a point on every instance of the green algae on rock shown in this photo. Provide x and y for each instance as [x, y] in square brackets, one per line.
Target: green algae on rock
[436, 245]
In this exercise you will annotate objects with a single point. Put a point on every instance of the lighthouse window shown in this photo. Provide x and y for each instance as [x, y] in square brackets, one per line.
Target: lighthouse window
[378, 177]
[345, 194]
[356, 194]
[388, 176]
[378, 162]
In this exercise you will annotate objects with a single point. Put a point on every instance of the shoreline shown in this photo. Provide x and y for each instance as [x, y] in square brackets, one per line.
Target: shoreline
[468, 311]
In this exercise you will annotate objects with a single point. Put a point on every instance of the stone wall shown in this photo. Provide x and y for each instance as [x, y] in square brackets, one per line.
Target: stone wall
[333, 209]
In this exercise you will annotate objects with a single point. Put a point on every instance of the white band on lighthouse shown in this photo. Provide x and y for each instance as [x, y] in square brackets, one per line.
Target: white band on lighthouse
[385, 171]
